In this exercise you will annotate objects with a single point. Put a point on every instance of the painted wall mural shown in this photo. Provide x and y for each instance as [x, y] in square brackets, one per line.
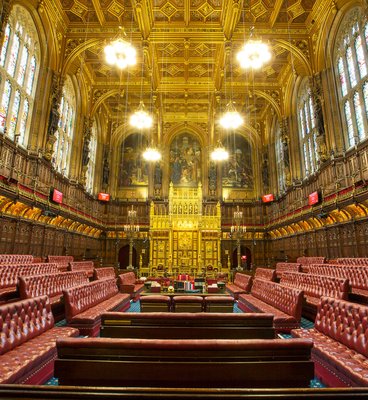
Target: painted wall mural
[133, 170]
[185, 160]
[237, 172]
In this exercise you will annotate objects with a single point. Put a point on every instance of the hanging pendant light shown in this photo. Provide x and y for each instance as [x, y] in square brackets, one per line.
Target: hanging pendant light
[152, 154]
[231, 119]
[254, 54]
[219, 153]
[141, 119]
[120, 52]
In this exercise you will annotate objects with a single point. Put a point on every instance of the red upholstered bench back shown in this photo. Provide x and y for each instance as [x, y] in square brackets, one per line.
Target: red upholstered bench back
[50, 284]
[244, 281]
[9, 273]
[265, 273]
[316, 285]
[282, 267]
[353, 261]
[24, 320]
[87, 266]
[285, 299]
[344, 322]
[311, 260]
[128, 278]
[104, 273]
[80, 298]
[60, 259]
[357, 275]
[16, 259]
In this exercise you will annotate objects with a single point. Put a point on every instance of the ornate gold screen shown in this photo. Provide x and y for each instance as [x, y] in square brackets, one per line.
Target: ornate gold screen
[185, 239]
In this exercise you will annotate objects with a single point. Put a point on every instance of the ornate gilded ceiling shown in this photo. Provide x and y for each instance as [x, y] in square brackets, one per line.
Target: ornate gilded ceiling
[186, 50]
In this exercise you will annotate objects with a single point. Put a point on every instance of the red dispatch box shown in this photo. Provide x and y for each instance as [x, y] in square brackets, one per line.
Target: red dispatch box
[156, 289]
[212, 289]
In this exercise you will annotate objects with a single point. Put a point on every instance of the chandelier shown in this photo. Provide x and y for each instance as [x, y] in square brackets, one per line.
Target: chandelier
[254, 54]
[151, 154]
[231, 119]
[141, 119]
[120, 53]
[219, 153]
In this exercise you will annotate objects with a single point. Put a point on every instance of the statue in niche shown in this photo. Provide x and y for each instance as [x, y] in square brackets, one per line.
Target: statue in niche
[105, 172]
[158, 175]
[185, 160]
[212, 176]
[265, 175]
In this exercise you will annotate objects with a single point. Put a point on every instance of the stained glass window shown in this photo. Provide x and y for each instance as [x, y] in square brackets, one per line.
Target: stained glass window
[4, 49]
[14, 114]
[31, 75]
[352, 60]
[18, 74]
[23, 121]
[92, 159]
[64, 136]
[307, 128]
[13, 55]
[22, 66]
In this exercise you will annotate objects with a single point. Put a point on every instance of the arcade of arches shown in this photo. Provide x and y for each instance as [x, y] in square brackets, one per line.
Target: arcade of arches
[64, 124]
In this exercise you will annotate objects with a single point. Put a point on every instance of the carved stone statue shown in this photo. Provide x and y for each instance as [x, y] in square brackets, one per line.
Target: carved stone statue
[212, 176]
[105, 172]
[265, 175]
[158, 175]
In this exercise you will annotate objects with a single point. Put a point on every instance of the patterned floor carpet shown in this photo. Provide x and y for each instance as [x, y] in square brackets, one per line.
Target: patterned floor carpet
[135, 307]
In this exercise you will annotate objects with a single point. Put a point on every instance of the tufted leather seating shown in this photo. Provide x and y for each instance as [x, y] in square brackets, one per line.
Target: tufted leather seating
[282, 267]
[314, 287]
[266, 274]
[128, 283]
[270, 297]
[51, 285]
[242, 284]
[16, 259]
[340, 337]
[61, 261]
[10, 273]
[163, 363]
[84, 304]
[28, 336]
[357, 275]
[103, 273]
[86, 266]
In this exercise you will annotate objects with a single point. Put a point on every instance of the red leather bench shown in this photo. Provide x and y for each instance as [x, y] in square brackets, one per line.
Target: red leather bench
[270, 297]
[340, 339]
[357, 275]
[314, 287]
[86, 266]
[266, 274]
[242, 284]
[61, 261]
[27, 346]
[164, 325]
[218, 304]
[85, 304]
[103, 273]
[208, 363]
[155, 303]
[128, 283]
[10, 273]
[16, 259]
[282, 267]
[187, 304]
[51, 285]
[306, 261]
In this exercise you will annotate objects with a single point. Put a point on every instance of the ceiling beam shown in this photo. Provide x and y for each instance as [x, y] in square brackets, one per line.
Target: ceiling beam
[98, 11]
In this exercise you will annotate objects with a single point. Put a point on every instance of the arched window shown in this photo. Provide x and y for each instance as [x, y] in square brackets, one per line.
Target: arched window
[351, 61]
[279, 157]
[307, 128]
[65, 131]
[19, 66]
[92, 159]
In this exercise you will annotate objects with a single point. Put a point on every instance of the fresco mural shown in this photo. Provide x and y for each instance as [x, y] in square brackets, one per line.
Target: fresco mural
[133, 170]
[237, 172]
[185, 160]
